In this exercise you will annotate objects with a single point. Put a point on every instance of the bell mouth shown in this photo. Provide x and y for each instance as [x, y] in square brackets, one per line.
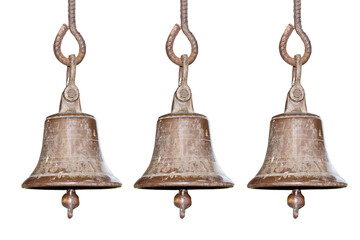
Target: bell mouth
[188, 186]
[273, 183]
[165, 183]
[47, 183]
[297, 187]
[181, 187]
[71, 187]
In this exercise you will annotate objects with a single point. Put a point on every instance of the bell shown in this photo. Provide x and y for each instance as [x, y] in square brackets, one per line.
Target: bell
[70, 157]
[183, 157]
[296, 157]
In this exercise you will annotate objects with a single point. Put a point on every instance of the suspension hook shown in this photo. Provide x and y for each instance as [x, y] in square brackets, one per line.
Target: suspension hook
[61, 34]
[185, 29]
[288, 31]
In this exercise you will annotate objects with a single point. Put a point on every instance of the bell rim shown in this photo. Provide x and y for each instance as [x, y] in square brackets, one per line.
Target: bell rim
[70, 185]
[77, 182]
[196, 183]
[297, 187]
[311, 183]
[182, 185]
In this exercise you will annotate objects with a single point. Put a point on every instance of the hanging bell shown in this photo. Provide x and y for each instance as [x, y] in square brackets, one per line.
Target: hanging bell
[183, 157]
[296, 157]
[70, 157]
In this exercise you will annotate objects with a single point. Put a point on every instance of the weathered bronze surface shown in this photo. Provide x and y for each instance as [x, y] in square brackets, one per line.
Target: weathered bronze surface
[183, 156]
[296, 156]
[70, 156]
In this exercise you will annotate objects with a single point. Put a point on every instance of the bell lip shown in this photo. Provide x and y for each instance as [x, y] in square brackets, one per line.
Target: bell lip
[76, 182]
[158, 183]
[66, 115]
[257, 183]
[181, 185]
[294, 114]
[178, 115]
[69, 185]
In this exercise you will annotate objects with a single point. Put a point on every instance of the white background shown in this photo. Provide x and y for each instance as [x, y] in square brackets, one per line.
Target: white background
[239, 81]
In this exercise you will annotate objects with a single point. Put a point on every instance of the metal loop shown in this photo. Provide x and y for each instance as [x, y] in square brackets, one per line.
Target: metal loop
[61, 34]
[185, 29]
[288, 31]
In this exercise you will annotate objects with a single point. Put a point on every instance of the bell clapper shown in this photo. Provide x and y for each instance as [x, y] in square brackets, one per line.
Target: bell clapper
[182, 200]
[296, 201]
[70, 200]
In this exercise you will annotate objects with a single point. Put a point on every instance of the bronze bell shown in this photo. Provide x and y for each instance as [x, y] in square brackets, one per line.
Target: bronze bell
[183, 157]
[296, 157]
[70, 157]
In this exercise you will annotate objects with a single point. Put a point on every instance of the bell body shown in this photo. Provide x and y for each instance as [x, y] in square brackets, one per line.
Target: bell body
[183, 157]
[70, 156]
[296, 156]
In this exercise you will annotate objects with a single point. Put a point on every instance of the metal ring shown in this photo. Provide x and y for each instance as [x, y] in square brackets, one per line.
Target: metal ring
[288, 31]
[283, 45]
[185, 29]
[57, 45]
[170, 46]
